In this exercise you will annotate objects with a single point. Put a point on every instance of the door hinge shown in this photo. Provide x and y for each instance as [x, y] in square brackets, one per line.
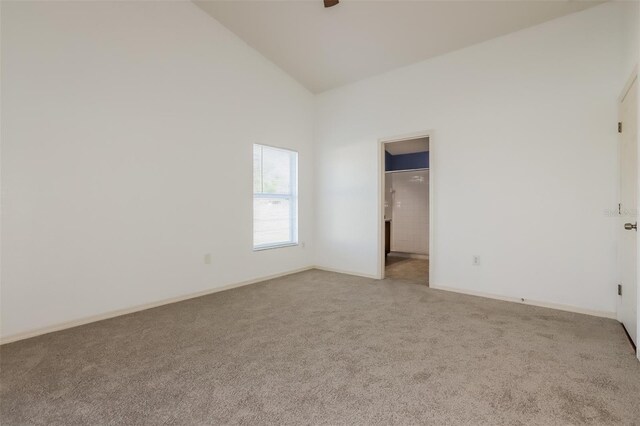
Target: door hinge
[619, 126]
[619, 289]
[619, 209]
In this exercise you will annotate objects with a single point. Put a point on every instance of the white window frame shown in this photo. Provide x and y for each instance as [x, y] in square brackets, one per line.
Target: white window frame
[293, 196]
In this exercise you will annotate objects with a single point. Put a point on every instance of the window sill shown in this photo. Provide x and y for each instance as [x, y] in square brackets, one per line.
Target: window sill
[274, 246]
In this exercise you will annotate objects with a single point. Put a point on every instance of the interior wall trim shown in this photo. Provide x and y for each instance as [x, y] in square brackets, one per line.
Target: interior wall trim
[342, 271]
[138, 308]
[556, 306]
[112, 314]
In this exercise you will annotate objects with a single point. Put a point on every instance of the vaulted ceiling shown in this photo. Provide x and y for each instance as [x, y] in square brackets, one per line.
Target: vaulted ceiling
[326, 48]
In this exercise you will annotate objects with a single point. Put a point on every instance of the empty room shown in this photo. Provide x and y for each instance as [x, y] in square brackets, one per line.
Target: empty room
[319, 212]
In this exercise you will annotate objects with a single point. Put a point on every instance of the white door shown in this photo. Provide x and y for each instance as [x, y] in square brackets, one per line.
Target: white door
[627, 312]
[410, 212]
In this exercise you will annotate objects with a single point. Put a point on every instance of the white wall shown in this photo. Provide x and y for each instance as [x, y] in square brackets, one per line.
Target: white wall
[127, 148]
[388, 202]
[410, 206]
[631, 39]
[171, 101]
[523, 161]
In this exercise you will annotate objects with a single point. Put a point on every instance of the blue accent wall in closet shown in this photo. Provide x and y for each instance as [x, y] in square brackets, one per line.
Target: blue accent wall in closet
[417, 160]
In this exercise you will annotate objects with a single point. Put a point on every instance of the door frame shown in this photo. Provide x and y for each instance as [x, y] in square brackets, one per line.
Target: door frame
[381, 196]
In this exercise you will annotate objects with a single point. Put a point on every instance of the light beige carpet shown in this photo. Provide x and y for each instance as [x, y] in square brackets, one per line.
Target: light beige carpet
[325, 348]
[407, 269]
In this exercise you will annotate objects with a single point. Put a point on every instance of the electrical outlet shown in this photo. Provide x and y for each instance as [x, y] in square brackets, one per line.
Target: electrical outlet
[476, 260]
[207, 259]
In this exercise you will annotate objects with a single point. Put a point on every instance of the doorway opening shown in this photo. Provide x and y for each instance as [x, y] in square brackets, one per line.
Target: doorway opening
[405, 204]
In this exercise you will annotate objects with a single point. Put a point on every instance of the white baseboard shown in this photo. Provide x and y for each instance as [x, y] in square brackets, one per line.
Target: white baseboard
[341, 271]
[138, 308]
[119, 312]
[557, 306]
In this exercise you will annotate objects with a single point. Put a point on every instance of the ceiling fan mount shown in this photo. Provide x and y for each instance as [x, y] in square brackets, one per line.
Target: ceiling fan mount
[330, 3]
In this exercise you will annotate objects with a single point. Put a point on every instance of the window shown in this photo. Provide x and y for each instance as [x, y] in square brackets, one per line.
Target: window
[275, 197]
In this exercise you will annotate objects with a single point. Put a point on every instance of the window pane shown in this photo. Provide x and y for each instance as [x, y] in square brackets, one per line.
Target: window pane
[276, 171]
[257, 168]
[271, 221]
[275, 203]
